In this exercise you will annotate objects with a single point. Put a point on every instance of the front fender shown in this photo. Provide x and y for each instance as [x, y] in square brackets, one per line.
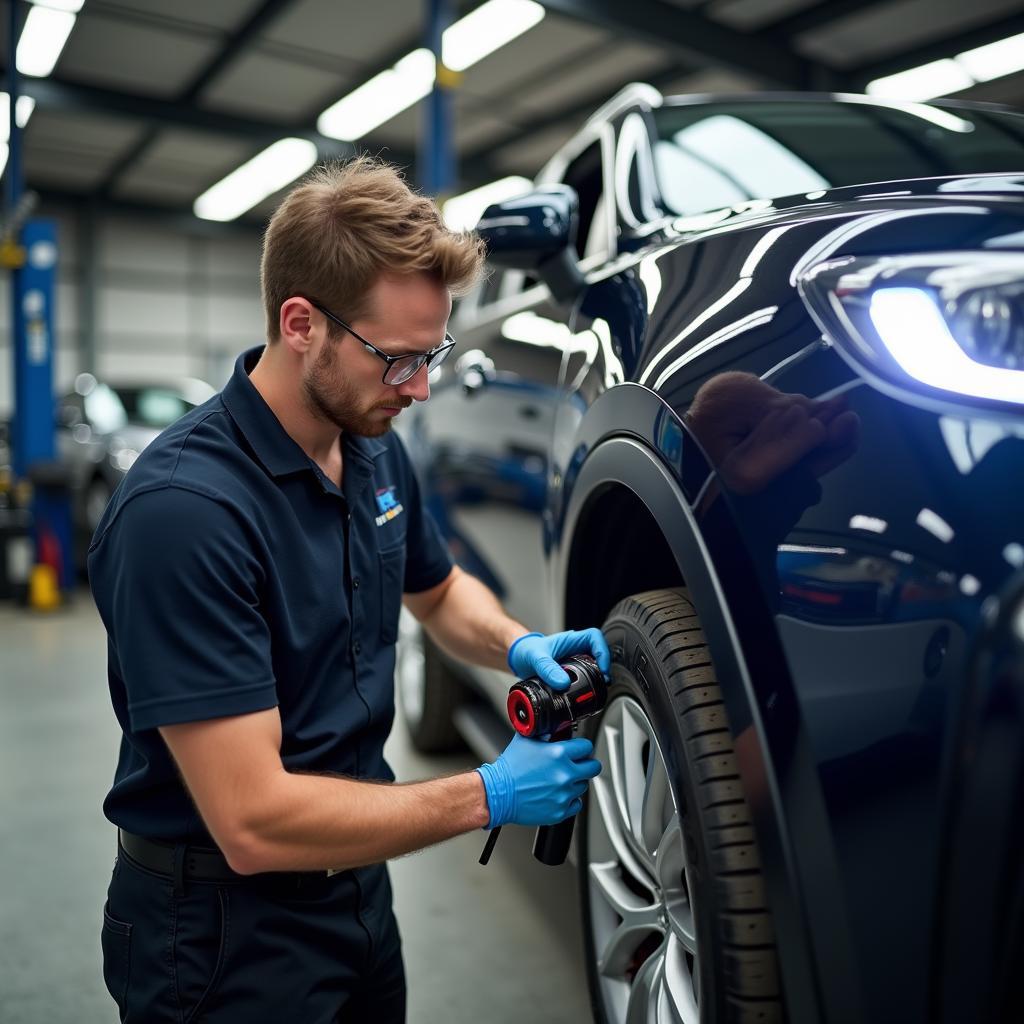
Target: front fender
[776, 763]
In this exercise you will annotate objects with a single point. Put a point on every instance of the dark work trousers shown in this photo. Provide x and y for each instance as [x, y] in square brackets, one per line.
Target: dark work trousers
[279, 950]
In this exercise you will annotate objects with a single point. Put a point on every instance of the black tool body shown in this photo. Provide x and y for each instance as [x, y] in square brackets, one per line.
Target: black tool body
[538, 712]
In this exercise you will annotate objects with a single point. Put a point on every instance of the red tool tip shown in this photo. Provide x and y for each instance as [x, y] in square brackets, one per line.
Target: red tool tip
[520, 713]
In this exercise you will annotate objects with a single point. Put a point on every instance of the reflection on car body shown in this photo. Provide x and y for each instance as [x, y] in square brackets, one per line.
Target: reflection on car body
[772, 352]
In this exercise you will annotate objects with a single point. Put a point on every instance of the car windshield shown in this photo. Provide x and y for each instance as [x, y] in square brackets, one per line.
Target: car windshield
[155, 407]
[709, 157]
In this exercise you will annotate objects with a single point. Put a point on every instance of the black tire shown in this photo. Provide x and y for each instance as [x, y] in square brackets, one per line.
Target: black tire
[663, 679]
[429, 694]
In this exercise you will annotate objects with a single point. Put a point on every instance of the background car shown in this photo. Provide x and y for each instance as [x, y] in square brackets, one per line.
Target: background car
[745, 390]
[101, 429]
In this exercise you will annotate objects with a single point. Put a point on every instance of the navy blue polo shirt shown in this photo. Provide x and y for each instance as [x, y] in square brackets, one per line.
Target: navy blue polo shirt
[232, 576]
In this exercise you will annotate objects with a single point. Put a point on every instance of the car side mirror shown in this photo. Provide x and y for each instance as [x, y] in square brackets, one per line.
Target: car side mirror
[537, 233]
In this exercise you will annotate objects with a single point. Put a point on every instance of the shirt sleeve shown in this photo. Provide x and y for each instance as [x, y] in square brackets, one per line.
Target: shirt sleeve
[428, 560]
[177, 581]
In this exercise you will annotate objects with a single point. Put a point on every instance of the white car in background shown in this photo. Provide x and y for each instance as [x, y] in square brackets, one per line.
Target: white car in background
[101, 429]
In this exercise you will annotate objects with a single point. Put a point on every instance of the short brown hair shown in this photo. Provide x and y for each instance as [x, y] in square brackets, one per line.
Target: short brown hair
[346, 224]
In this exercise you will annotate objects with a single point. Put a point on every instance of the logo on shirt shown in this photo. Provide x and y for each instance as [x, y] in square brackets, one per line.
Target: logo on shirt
[387, 505]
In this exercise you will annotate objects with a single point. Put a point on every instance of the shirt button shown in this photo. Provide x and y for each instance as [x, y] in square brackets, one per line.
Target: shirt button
[355, 582]
[357, 647]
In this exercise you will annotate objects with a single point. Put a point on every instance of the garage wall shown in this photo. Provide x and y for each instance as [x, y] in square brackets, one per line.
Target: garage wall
[166, 303]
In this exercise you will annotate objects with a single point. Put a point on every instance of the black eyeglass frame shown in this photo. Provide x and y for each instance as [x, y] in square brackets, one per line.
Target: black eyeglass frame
[432, 359]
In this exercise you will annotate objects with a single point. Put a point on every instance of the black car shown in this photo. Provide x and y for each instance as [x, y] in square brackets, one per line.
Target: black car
[746, 389]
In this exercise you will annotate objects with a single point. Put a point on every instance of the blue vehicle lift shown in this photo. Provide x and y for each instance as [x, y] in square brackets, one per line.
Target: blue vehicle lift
[29, 250]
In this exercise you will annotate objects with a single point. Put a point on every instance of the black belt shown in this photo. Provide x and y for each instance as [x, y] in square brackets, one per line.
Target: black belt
[199, 863]
[206, 864]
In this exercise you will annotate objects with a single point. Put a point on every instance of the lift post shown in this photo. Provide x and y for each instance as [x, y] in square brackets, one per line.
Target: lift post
[29, 251]
[437, 140]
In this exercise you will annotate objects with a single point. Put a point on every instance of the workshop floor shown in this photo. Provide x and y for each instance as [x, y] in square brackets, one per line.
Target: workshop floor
[490, 944]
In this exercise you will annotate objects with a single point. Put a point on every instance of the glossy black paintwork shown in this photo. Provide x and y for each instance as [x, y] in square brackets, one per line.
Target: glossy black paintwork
[862, 646]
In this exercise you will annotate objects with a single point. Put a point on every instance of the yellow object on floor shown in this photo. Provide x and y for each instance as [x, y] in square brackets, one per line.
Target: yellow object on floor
[43, 591]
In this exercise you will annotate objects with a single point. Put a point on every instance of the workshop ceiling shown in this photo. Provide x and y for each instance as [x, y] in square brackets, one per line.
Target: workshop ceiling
[151, 102]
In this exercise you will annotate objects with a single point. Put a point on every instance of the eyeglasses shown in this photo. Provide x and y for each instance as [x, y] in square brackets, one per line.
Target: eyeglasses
[399, 368]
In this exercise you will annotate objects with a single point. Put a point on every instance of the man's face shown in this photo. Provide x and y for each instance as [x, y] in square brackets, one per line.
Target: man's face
[343, 385]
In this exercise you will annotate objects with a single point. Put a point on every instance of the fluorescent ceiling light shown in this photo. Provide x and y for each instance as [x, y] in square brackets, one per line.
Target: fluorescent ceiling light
[42, 39]
[939, 78]
[942, 77]
[994, 60]
[487, 29]
[871, 523]
[937, 116]
[935, 525]
[278, 165]
[462, 212]
[71, 6]
[386, 95]
[24, 109]
[380, 99]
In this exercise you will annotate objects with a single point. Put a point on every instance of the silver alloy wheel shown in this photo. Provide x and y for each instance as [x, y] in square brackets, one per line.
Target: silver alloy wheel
[644, 936]
[410, 668]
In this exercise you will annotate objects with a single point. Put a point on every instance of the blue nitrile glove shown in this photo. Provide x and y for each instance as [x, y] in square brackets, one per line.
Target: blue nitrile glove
[537, 783]
[537, 655]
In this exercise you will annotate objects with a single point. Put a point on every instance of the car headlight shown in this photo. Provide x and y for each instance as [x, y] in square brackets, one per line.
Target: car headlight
[938, 326]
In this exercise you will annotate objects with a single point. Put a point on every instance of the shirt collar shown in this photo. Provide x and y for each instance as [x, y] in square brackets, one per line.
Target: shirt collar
[273, 445]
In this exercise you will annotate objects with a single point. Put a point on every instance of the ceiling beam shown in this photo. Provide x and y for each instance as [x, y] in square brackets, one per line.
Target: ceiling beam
[949, 46]
[234, 45]
[573, 115]
[823, 14]
[702, 42]
[174, 218]
[74, 98]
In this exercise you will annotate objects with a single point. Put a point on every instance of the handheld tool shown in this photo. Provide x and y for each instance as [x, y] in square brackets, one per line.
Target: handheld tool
[538, 712]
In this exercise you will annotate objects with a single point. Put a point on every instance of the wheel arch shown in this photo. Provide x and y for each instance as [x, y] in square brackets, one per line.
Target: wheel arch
[626, 505]
[604, 566]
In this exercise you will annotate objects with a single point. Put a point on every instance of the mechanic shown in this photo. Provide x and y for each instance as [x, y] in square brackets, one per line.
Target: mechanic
[250, 572]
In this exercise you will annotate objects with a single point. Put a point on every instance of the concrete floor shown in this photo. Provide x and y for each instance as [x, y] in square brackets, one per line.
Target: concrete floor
[481, 943]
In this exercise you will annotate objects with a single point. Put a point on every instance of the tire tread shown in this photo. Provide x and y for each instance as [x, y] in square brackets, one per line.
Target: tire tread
[744, 933]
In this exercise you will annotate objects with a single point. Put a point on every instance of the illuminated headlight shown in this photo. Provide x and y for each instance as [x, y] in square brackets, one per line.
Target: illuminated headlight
[945, 326]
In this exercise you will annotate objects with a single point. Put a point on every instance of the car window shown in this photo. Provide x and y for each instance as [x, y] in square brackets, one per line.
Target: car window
[584, 174]
[104, 410]
[707, 157]
[634, 172]
[721, 160]
[155, 407]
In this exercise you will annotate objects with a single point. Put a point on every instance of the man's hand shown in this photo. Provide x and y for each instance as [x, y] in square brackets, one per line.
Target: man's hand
[537, 783]
[753, 433]
[537, 655]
